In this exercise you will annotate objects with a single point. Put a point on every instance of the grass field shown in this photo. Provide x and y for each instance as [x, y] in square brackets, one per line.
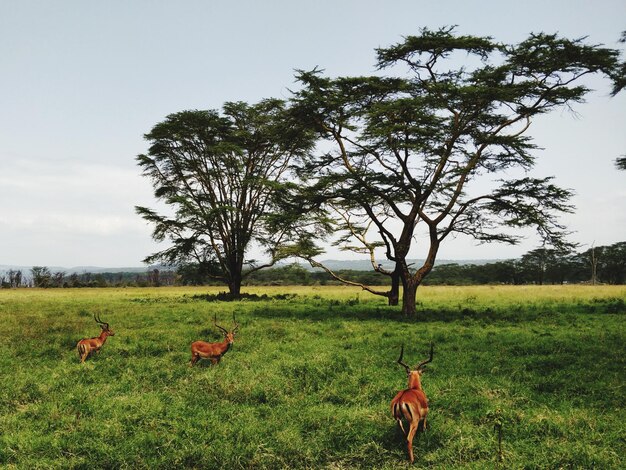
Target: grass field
[310, 377]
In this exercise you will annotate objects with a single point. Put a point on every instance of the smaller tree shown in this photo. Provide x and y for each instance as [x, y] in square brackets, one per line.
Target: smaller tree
[588, 263]
[545, 265]
[613, 266]
[57, 279]
[606, 264]
[15, 278]
[74, 280]
[153, 277]
[223, 176]
[41, 276]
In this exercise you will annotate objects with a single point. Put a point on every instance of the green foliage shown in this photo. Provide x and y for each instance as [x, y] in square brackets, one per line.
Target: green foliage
[309, 379]
[223, 177]
[411, 149]
[41, 276]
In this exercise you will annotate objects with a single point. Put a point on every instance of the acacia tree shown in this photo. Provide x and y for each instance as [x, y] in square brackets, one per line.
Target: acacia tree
[605, 264]
[15, 278]
[543, 265]
[222, 175]
[613, 265]
[41, 276]
[438, 145]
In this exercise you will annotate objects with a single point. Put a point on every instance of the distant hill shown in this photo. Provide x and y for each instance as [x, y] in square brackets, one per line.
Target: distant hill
[335, 265]
[366, 265]
[82, 269]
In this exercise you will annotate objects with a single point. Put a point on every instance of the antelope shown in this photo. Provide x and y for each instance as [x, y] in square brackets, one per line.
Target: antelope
[411, 403]
[89, 345]
[213, 351]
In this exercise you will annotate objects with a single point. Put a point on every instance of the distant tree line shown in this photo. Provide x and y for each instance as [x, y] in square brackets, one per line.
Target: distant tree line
[41, 276]
[602, 265]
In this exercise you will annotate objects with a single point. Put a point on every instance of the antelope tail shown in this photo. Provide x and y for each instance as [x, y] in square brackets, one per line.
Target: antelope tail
[403, 410]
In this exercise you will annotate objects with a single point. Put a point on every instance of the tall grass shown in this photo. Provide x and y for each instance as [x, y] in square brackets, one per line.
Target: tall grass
[310, 377]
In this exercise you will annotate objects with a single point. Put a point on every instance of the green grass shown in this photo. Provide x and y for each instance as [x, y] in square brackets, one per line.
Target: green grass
[310, 377]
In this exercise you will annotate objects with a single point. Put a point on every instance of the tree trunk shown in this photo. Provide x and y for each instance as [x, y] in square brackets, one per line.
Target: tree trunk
[594, 266]
[411, 282]
[234, 287]
[409, 295]
[394, 292]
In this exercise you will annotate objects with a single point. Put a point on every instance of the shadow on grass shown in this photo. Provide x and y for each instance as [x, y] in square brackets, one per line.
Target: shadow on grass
[203, 364]
[323, 309]
[318, 308]
[228, 297]
[335, 310]
[424, 442]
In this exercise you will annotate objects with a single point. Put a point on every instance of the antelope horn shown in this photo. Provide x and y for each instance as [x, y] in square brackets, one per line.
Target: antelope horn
[423, 363]
[235, 322]
[100, 322]
[408, 369]
[220, 327]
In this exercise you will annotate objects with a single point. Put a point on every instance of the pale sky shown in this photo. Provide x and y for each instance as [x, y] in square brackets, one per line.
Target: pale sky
[81, 81]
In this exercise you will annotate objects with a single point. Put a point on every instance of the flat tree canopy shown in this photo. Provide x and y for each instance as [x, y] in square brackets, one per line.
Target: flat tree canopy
[223, 176]
[443, 143]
